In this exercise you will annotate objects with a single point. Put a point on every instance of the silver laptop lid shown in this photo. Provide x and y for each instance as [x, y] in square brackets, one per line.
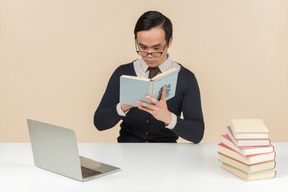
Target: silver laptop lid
[55, 149]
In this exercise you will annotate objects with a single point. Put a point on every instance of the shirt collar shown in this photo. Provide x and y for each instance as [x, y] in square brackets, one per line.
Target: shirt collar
[163, 67]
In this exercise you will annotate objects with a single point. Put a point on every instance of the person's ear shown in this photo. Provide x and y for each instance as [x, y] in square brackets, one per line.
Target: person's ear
[170, 42]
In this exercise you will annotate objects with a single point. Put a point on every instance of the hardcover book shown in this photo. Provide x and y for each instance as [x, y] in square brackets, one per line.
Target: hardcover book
[249, 141]
[249, 128]
[247, 168]
[133, 88]
[268, 174]
[246, 150]
[246, 159]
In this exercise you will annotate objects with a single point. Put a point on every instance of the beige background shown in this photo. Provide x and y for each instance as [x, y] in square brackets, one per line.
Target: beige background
[52, 53]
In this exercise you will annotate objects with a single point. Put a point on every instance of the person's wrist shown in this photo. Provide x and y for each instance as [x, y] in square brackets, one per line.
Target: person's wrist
[168, 121]
[123, 108]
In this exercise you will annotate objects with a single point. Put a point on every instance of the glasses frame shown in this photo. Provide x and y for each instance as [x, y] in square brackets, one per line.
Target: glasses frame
[145, 54]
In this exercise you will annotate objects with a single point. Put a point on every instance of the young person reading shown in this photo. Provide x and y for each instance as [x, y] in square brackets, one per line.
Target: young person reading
[157, 120]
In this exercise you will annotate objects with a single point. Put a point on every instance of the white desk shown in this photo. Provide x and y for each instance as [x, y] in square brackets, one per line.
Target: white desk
[145, 167]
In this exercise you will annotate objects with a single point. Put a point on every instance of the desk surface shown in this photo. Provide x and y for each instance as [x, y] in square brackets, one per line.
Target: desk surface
[144, 167]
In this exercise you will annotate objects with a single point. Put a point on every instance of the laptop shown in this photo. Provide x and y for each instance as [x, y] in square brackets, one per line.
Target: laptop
[55, 149]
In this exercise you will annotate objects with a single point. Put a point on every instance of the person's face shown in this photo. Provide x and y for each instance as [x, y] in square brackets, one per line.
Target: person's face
[150, 41]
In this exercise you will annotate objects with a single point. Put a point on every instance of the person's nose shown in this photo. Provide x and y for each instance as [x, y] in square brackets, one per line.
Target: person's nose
[149, 56]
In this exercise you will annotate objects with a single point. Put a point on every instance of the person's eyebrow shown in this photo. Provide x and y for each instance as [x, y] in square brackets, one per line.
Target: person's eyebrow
[157, 45]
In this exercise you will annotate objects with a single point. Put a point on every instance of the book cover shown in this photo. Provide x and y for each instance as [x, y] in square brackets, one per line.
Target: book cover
[269, 174]
[134, 88]
[246, 150]
[246, 159]
[249, 128]
[249, 141]
[247, 168]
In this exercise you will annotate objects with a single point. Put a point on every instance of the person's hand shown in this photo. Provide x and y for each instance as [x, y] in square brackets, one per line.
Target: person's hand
[126, 107]
[159, 110]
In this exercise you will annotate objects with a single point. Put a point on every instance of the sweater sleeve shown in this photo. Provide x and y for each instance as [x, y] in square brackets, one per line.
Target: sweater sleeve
[106, 115]
[191, 127]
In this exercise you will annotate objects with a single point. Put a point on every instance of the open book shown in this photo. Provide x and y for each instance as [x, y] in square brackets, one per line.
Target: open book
[133, 88]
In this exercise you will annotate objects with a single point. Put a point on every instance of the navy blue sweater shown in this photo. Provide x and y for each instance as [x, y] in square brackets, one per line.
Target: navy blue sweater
[140, 126]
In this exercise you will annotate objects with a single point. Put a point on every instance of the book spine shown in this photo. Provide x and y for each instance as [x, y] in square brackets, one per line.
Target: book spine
[150, 90]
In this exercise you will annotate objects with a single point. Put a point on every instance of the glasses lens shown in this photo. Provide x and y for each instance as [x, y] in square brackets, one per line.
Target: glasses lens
[156, 54]
[142, 53]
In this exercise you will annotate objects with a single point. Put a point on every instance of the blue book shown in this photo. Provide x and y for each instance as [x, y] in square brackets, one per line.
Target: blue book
[133, 88]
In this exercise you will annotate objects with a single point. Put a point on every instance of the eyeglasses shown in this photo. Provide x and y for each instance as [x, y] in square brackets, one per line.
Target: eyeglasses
[153, 54]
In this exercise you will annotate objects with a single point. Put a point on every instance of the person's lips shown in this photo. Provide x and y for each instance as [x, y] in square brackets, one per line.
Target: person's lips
[150, 61]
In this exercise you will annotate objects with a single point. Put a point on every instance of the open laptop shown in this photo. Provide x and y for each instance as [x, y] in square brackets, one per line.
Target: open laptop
[55, 149]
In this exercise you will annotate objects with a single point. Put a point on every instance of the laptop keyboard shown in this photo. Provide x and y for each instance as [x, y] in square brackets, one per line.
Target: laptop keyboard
[86, 172]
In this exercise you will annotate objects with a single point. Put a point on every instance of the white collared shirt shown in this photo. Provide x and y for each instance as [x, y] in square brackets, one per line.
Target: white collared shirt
[141, 68]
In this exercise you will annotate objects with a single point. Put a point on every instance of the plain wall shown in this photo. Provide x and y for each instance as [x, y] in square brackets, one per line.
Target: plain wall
[57, 57]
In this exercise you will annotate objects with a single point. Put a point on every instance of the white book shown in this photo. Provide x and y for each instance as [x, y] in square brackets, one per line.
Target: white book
[249, 141]
[268, 174]
[246, 150]
[247, 168]
[249, 128]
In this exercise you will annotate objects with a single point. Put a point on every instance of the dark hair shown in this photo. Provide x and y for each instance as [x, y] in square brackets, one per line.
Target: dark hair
[151, 19]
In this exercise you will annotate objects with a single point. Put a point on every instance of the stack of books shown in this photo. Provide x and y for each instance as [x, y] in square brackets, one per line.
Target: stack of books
[246, 150]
